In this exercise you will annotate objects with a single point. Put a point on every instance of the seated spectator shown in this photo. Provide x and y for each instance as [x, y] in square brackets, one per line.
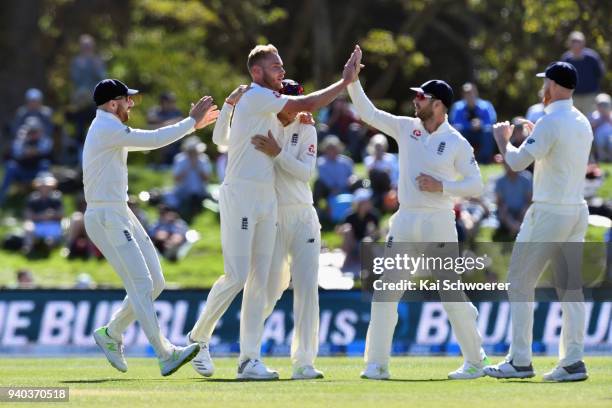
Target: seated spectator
[601, 121]
[383, 169]
[340, 119]
[536, 111]
[25, 279]
[361, 225]
[474, 118]
[169, 233]
[334, 170]
[34, 107]
[191, 170]
[30, 154]
[166, 113]
[513, 195]
[84, 281]
[86, 70]
[77, 242]
[43, 215]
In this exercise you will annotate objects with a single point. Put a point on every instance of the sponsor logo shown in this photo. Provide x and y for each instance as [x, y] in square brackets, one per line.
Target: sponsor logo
[294, 139]
[530, 140]
[416, 133]
[311, 150]
[441, 147]
[245, 223]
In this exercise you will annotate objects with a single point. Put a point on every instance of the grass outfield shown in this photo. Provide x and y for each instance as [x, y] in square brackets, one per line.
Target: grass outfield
[417, 381]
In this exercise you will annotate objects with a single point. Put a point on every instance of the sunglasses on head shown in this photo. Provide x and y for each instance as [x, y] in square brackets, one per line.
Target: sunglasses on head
[421, 96]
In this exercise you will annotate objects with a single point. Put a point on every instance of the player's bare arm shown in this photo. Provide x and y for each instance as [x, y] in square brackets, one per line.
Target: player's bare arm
[318, 99]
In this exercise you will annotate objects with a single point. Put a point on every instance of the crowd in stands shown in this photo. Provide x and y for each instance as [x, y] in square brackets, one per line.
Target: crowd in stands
[352, 206]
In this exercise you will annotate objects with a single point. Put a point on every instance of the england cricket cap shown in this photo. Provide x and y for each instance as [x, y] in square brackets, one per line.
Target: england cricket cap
[109, 89]
[291, 87]
[439, 90]
[562, 73]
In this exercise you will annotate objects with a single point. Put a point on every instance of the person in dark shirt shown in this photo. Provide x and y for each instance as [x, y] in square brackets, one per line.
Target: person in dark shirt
[43, 215]
[361, 225]
[590, 68]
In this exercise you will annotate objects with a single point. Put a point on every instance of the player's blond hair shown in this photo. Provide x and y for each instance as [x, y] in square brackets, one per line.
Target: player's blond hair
[259, 53]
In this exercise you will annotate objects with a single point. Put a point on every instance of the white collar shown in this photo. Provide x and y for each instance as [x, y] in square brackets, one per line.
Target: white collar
[104, 114]
[563, 104]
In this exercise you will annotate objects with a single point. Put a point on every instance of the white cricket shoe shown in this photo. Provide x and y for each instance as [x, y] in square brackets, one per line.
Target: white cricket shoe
[376, 372]
[202, 363]
[469, 371]
[573, 372]
[255, 370]
[506, 369]
[306, 373]
[179, 357]
[112, 348]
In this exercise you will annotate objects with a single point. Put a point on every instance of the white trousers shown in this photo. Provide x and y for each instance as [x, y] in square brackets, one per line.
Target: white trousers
[546, 223]
[248, 233]
[296, 258]
[422, 225]
[116, 231]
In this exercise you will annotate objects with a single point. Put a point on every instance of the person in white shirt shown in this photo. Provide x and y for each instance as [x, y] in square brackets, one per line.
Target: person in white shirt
[116, 231]
[559, 143]
[432, 156]
[248, 207]
[299, 236]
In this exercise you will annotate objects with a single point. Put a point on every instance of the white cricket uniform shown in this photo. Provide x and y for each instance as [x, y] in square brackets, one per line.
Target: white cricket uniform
[298, 237]
[423, 216]
[248, 209]
[115, 229]
[560, 144]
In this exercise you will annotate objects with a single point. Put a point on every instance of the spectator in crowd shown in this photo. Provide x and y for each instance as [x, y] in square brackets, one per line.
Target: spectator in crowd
[513, 196]
[34, 107]
[474, 118]
[340, 119]
[169, 233]
[335, 170]
[590, 69]
[30, 155]
[43, 215]
[77, 241]
[361, 225]
[25, 279]
[601, 121]
[86, 70]
[191, 170]
[469, 215]
[84, 281]
[383, 168]
[536, 111]
[164, 114]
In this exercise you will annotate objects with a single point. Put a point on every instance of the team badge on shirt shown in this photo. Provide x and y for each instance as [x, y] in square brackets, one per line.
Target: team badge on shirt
[441, 148]
[294, 139]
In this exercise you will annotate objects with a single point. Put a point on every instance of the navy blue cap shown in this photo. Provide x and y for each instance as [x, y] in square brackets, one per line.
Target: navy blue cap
[291, 87]
[562, 73]
[439, 90]
[109, 89]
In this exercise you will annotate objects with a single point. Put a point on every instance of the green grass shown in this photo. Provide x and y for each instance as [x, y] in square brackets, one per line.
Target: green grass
[417, 381]
[204, 262]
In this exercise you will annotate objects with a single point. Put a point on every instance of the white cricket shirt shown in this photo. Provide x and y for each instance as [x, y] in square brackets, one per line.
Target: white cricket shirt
[108, 141]
[443, 154]
[255, 113]
[560, 144]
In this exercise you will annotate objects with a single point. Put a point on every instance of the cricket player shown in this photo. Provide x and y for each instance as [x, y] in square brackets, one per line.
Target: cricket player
[299, 235]
[116, 231]
[432, 156]
[248, 208]
[559, 144]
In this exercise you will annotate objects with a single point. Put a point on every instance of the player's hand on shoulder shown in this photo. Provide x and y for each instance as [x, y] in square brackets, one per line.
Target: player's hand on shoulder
[204, 112]
[236, 94]
[306, 118]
